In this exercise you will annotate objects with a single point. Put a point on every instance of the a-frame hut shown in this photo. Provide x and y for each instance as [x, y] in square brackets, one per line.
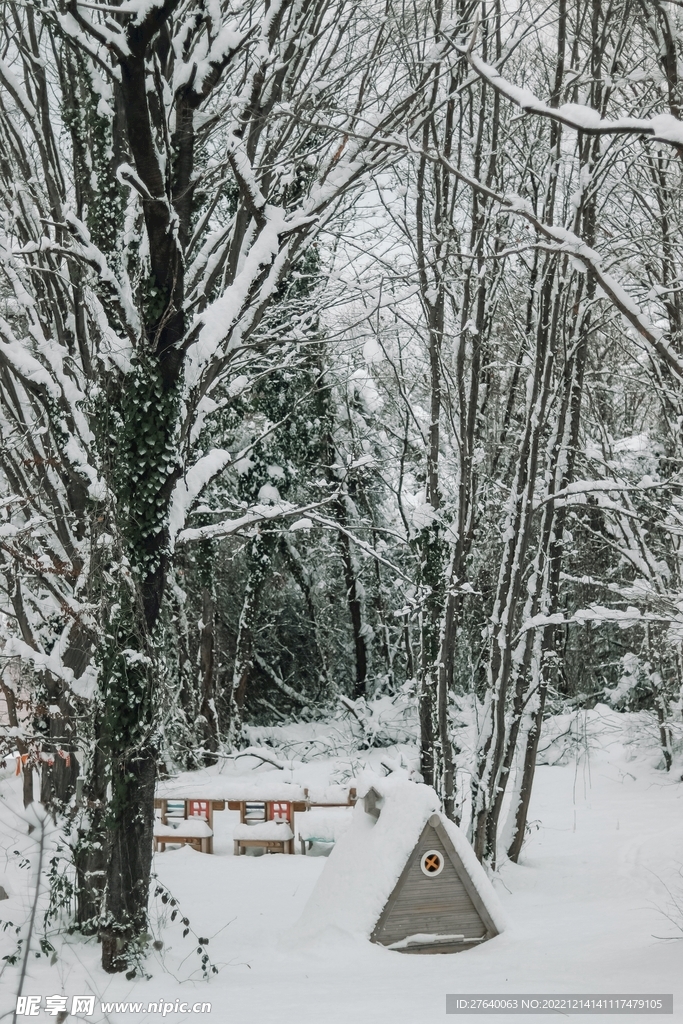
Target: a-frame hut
[404, 877]
[435, 907]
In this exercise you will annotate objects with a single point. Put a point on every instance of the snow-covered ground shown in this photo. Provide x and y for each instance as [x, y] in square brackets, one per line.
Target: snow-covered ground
[591, 908]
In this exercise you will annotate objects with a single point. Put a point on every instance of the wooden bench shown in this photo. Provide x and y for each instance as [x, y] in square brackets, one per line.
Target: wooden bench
[188, 831]
[257, 818]
[261, 812]
[262, 844]
[269, 845]
[189, 834]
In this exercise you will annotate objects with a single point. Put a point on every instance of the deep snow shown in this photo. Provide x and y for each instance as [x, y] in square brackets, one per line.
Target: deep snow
[586, 909]
[368, 859]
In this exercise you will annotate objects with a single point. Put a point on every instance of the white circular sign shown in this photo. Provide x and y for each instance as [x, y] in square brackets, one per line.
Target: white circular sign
[432, 863]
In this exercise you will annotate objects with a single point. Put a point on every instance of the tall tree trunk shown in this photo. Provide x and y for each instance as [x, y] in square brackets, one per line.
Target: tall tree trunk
[303, 581]
[445, 543]
[260, 570]
[129, 851]
[355, 597]
[528, 769]
[144, 415]
[91, 852]
[486, 781]
[564, 456]
[208, 717]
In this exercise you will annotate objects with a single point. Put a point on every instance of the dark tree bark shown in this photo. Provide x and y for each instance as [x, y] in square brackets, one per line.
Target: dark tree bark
[208, 732]
[355, 602]
[260, 570]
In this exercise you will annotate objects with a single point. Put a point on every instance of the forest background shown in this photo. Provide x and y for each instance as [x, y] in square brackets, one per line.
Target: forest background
[341, 353]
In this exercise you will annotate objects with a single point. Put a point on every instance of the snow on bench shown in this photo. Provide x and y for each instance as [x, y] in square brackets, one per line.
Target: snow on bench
[273, 836]
[194, 832]
[266, 830]
[194, 828]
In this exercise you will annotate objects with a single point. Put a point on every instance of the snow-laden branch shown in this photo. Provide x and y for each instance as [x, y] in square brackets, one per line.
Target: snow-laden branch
[52, 663]
[581, 487]
[662, 127]
[188, 489]
[595, 613]
[95, 48]
[29, 370]
[212, 328]
[94, 257]
[205, 73]
[266, 756]
[75, 24]
[567, 242]
[127, 175]
[19, 95]
[254, 516]
[289, 691]
[332, 524]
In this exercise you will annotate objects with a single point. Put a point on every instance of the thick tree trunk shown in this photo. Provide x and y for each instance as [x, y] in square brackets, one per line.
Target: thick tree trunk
[130, 856]
[59, 774]
[91, 851]
[27, 783]
[129, 656]
[128, 733]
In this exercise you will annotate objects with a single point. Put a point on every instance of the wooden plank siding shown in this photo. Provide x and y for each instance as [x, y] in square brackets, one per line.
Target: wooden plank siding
[434, 904]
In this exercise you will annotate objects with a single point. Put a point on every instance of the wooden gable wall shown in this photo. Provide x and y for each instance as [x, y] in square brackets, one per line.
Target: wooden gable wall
[444, 904]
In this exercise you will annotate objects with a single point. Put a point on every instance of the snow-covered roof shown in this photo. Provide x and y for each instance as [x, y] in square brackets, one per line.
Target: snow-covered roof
[199, 786]
[480, 879]
[210, 784]
[366, 863]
